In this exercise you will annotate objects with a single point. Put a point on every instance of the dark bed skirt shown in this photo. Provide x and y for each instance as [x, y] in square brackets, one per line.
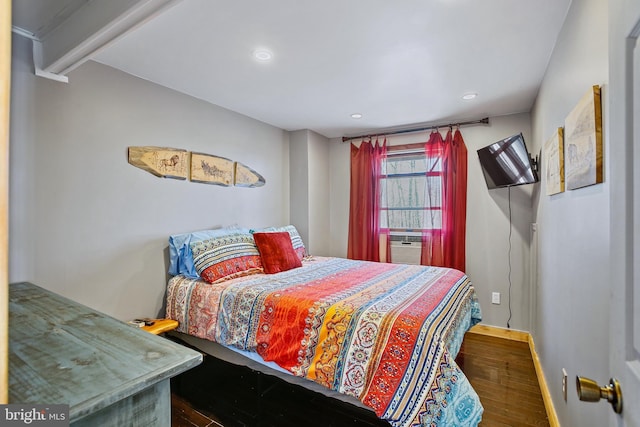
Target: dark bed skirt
[240, 396]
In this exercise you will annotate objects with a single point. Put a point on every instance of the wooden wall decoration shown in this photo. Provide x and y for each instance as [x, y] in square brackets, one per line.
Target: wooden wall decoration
[554, 162]
[247, 177]
[162, 162]
[210, 169]
[583, 142]
[199, 167]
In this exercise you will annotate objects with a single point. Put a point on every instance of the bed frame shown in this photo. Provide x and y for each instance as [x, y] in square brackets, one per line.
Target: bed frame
[244, 393]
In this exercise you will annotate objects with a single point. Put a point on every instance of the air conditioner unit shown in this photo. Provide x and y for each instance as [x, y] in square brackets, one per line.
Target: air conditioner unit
[406, 252]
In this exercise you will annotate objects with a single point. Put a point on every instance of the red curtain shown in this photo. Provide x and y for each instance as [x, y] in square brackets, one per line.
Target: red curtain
[445, 246]
[458, 247]
[364, 209]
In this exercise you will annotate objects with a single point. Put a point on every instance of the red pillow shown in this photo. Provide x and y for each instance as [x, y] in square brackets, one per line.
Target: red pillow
[276, 251]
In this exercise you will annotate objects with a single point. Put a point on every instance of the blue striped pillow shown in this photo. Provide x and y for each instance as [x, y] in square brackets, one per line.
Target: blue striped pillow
[226, 257]
[180, 256]
[296, 240]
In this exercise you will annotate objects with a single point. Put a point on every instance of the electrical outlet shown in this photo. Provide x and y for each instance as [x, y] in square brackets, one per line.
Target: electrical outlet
[495, 298]
[564, 384]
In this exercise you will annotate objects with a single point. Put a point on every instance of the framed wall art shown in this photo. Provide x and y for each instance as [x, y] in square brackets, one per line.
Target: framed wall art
[160, 161]
[210, 169]
[583, 142]
[199, 167]
[554, 162]
[247, 177]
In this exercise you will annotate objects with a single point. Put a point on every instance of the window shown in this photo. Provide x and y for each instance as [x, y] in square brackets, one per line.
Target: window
[411, 192]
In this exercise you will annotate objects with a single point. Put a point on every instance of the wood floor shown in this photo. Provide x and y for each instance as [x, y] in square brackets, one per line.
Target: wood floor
[500, 370]
[502, 373]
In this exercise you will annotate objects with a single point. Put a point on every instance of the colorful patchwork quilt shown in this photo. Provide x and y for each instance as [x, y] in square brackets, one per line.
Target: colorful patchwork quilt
[386, 334]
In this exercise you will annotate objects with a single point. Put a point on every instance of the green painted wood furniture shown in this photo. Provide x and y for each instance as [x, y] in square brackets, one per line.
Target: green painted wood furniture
[108, 372]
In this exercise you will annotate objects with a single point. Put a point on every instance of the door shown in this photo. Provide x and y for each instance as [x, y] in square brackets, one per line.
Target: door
[5, 72]
[624, 165]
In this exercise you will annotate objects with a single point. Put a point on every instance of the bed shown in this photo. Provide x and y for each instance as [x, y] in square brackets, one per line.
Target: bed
[379, 335]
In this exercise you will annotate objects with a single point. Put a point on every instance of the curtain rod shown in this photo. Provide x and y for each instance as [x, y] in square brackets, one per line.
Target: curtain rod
[397, 132]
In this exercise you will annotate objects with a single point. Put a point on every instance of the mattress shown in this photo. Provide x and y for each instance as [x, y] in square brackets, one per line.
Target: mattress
[384, 335]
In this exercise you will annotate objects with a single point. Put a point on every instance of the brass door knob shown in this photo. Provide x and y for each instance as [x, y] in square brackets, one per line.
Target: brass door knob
[590, 391]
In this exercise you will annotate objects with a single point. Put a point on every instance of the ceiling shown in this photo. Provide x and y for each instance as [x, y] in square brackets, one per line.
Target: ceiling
[398, 63]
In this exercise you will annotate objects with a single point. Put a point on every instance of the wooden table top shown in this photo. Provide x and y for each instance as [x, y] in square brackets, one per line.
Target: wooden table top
[62, 352]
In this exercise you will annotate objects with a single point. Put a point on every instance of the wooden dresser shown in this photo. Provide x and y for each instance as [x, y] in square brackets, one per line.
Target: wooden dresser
[108, 372]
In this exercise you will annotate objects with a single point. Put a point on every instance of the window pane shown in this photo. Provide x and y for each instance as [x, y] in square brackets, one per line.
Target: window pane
[411, 219]
[405, 219]
[411, 192]
[434, 164]
[408, 203]
[405, 164]
[433, 219]
[408, 192]
[435, 192]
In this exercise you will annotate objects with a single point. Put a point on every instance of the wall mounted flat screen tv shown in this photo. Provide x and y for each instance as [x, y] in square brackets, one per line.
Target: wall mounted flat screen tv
[507, 162]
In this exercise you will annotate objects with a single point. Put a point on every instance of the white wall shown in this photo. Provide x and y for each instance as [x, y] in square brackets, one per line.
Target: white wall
[488, 229]
[339, 185]
[319, 201]
[572, 325]
[487, 243]
[299, 192]
[85, 223]
[310, 203]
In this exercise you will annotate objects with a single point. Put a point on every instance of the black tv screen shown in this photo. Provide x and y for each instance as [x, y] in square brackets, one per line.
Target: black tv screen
[506, 163]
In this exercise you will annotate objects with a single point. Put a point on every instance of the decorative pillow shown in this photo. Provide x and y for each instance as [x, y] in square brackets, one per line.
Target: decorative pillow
[180, 256]
[226, 257]
[276, 251]
[296, 240]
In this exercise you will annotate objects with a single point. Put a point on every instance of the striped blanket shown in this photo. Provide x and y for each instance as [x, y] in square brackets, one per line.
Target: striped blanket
[384, 333]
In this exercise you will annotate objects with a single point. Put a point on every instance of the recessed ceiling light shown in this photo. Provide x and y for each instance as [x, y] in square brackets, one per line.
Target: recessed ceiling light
[262, 55]
[356, 116]
[468, 96]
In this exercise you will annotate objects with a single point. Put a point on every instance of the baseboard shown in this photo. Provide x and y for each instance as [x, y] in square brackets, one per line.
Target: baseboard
[522, 336]
[544, 388]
